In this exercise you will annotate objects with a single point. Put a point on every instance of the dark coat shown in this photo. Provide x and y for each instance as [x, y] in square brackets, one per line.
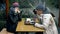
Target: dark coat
[12, 20]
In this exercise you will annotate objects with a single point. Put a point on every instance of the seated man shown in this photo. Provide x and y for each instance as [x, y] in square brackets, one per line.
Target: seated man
[46, 19]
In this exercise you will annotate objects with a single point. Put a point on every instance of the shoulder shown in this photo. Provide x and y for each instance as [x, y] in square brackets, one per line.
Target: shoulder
[47, 15]
[11, 9]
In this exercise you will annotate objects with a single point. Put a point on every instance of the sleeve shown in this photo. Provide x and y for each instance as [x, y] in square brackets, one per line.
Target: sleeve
[19, 16]
[46, 20]
[11, 15]
[54, 26]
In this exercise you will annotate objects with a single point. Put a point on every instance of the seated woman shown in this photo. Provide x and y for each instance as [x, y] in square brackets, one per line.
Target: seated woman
[14, 16]
[46, 20]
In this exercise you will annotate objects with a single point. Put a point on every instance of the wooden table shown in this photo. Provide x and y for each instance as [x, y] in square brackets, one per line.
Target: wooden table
[27, 28]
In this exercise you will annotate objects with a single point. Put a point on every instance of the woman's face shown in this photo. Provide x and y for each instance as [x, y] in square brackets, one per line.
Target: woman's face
[39, 12]
[17, 10]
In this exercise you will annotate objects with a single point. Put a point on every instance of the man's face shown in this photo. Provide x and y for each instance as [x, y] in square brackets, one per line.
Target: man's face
[39, 12]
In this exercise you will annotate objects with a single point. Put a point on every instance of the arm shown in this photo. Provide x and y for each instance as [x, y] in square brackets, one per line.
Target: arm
[12, 16]
[54, 26]
[20, 16]
[46, 20]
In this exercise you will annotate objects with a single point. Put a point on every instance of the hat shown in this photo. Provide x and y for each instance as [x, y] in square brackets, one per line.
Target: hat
[40, 7]
[16, 4]
[43, 8]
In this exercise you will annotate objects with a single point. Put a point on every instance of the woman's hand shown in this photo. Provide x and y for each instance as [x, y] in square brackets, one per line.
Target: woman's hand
[17, 10]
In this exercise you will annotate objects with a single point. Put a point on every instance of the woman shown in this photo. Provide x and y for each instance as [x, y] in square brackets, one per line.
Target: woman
[46, 20]
[13, 17]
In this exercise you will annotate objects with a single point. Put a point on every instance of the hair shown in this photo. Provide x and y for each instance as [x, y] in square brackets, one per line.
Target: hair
[34, 11]
[52, 14]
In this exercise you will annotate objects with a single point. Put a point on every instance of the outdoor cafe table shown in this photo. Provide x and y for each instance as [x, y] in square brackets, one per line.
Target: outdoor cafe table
[21, 27]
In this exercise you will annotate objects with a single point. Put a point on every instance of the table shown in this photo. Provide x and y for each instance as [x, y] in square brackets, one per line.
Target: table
[21, 27]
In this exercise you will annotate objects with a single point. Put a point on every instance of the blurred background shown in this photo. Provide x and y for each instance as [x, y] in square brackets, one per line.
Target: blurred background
[27, 7]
